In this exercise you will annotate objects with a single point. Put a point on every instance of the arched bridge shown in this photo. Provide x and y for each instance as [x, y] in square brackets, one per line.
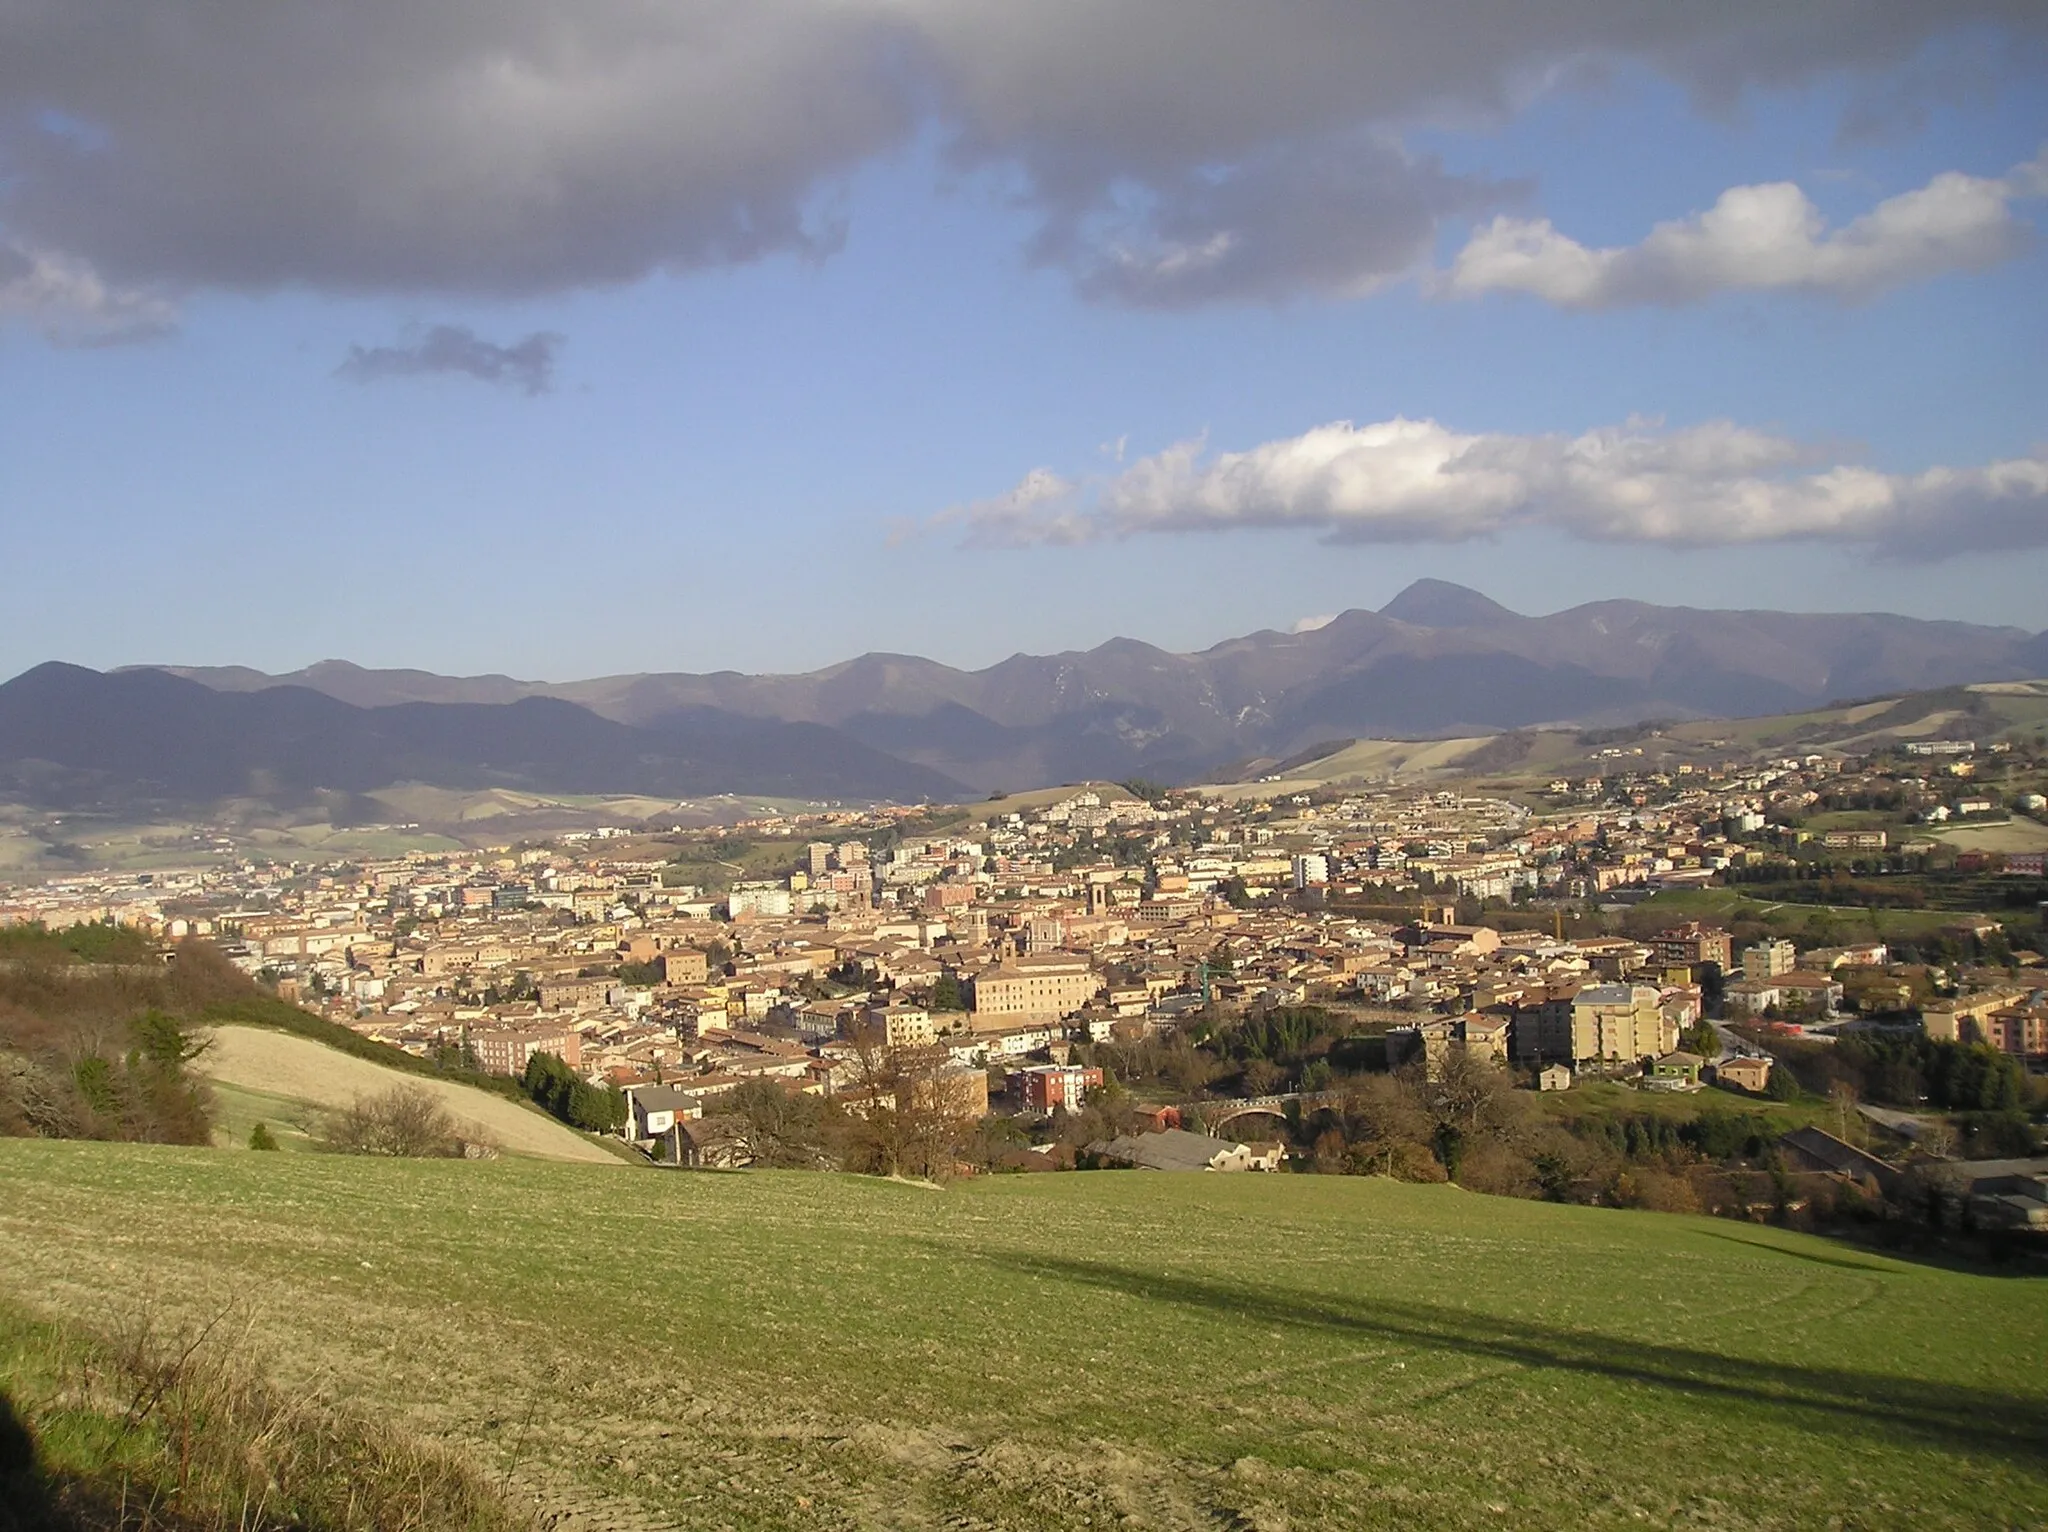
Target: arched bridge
[1219, 1113]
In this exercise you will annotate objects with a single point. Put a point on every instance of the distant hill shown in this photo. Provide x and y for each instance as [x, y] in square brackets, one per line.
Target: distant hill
[1986, 712]
[1438, 660]
[75, 737]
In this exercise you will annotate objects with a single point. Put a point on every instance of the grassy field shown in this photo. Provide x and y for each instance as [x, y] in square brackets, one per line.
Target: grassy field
[2014, 835]
[292, 1082]
[1103, 1350]
[1591, 1098]
[1842, 923]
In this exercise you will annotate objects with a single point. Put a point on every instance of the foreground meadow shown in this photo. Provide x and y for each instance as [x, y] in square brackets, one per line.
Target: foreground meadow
[646, 1350]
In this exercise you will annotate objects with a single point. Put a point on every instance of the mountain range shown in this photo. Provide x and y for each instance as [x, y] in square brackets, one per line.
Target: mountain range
[1437, 660]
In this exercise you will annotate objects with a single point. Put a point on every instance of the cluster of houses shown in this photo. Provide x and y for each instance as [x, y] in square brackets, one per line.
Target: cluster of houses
[1002, 940]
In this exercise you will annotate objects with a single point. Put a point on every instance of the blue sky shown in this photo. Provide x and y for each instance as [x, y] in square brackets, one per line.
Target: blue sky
[776, 461]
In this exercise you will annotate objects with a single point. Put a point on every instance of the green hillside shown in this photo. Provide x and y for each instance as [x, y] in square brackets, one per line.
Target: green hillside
[1109, 1350]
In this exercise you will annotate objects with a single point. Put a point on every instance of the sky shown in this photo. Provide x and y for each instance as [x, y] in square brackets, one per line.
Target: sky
[496, 335]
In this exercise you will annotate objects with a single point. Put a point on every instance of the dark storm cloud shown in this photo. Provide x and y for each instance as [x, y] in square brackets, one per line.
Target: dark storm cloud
[528, 364]
[1335, 222]
[1173, 151]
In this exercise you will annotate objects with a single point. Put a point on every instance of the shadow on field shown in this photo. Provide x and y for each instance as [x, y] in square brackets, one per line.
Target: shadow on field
[1945, 1415]
[1765, 1247]
[28, 1501]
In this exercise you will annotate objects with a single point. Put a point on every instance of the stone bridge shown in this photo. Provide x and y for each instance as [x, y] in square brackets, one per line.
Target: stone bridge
[1218, 1113]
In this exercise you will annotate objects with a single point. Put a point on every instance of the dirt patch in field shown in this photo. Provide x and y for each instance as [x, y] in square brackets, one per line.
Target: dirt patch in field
[279, 1064]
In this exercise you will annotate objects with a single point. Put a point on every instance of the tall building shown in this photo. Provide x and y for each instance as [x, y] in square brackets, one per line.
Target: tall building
[1767, 960]
[1310, 869]
[1691, 946]
[819, 854]
[1619, 1024]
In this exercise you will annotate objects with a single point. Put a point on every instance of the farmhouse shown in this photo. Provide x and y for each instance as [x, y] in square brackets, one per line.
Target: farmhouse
[1677, 1070]
[1750, 1073]
[652, 1111]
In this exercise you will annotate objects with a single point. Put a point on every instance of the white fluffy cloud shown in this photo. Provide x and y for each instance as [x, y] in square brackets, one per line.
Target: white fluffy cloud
[1418, 481]
[1172, 152]
[1759, 238]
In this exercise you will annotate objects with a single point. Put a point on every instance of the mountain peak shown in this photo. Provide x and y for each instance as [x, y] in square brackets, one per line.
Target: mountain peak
[1440, 604]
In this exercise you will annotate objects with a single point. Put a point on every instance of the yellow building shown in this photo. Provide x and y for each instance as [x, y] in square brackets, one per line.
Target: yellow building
[1620, 1023]
[1055, 984]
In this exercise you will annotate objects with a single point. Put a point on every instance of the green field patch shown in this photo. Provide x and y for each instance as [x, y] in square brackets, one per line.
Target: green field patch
[2013, 835]
[237, 1110]
[1135, 1350]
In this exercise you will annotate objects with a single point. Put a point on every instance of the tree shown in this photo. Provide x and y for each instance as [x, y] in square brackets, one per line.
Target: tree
[404, 1122]
[1844, 1097]
[909, 1106]
[560, 1091]
[1937, 1139]
[778, 1128]
[1386, 1132]
[1262, 1077]
[260, 1137]
[1701, 1038]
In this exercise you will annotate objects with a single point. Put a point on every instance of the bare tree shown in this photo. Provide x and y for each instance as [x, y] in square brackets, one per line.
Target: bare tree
[404, 1122]
[777, 1128]
[1843, 1095]
[910, 1107]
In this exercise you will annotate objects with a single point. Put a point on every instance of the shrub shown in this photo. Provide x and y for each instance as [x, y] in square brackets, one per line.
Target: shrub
[260, 1137]
[404, 1122]
[1656, 1191]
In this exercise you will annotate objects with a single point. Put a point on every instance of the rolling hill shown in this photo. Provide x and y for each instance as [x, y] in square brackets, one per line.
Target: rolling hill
[1987, 712]
[291, 1082]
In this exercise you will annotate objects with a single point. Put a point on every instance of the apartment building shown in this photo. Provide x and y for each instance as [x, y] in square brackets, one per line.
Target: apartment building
[1620, 1023]
[684, 965]
[1692, 946]
[572, 994]
[507, 1053]
[900, 1025]
[1057, 1085]
[1767, 960]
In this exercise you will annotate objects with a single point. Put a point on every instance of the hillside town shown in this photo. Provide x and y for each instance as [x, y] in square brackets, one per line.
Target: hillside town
[1525, 930]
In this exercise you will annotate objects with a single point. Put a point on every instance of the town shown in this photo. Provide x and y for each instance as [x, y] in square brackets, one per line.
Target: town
[1032, 957]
